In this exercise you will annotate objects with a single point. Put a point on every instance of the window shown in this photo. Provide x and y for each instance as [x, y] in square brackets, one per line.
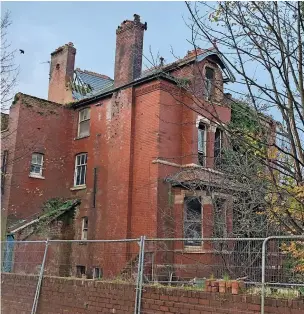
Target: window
[201, 144]
[209, 78]
[84, 122]
[192, 220]
[80, 169]
[80, 271]
[3, 169]
[218, 142]
[36, 165]
[84, 230]
[97, 273]
[220, 223]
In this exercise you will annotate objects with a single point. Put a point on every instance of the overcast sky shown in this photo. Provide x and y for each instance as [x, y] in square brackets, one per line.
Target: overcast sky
[40, 27]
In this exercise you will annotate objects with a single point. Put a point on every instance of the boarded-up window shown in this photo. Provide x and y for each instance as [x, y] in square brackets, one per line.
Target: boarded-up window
[192, 220]
[84, 122]
[201, 144]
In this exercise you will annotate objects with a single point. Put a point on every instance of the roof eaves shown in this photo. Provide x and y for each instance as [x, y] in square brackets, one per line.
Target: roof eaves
[135, 82]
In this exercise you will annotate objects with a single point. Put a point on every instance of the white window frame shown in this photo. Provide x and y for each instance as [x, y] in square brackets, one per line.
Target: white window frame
[95, 271]
[77, 166]
[81, 120]
[84, 228]
[203, 152]
[35, 174]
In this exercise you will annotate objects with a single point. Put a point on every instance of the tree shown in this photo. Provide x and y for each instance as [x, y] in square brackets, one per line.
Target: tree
[9, 70]
[265, 38]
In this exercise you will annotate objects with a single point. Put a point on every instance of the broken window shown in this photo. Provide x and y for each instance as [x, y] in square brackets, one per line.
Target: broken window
[192, 220]
[80, 271]
[84, 122]
[201, 144]
[84, 232]
[97, 273]
[209, 78]
[36, 164]
[218, 144]
[80, 169]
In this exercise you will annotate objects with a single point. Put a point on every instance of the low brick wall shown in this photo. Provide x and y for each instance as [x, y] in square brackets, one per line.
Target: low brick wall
[71, 296]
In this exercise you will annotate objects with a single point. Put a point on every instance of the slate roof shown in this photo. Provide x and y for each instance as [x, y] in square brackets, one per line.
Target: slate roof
[102, 84]
[95, 81]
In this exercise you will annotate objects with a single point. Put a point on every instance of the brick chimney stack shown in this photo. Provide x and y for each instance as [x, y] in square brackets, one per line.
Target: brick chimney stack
[129, 49]
[61, 72]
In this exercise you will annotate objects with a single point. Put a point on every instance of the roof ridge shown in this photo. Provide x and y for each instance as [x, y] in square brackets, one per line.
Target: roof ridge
[191, 54]
[94, 73]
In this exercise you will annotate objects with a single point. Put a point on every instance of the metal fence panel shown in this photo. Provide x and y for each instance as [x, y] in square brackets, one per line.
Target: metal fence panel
[23, 258]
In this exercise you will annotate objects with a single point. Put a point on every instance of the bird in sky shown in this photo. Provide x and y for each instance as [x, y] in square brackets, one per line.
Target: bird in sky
[21, 51]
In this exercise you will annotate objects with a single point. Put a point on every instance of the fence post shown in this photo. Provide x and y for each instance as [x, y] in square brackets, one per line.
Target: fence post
[37, 293]
[141, 274]
[263, 274]
[138, 275]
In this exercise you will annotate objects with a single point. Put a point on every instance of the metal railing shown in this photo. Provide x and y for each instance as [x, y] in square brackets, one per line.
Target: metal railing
[267, 267]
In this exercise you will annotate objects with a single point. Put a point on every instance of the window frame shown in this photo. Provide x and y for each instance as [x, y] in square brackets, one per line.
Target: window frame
[77, 166]
[80, 271]
[99, 271]
[209, 86]
[193, 221]
[202, 154]
[84, 228]
[35, 174]
[80, 121]
[217, 163]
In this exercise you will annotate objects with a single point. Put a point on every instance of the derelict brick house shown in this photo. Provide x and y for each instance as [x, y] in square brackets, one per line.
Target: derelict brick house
[125, 147]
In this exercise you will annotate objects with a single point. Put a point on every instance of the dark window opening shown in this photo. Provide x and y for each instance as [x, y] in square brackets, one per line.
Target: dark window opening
[201, 144]
[209, 79]
[219, 214]
[220, 222]
[218, 147]
[80, 271]
[3, 169]
[192, 220]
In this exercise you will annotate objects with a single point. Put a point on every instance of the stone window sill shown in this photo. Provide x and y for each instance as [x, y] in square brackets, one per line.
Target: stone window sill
[81, 137]
[78, 187]
[35, 176]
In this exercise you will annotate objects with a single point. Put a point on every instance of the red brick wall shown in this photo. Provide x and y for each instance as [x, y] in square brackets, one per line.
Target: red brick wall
[38, 126]
[72, 296]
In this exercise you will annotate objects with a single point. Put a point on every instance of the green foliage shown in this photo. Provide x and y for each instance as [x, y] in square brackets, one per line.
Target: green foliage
[53, 204]
[243, 117]
[16, 98]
